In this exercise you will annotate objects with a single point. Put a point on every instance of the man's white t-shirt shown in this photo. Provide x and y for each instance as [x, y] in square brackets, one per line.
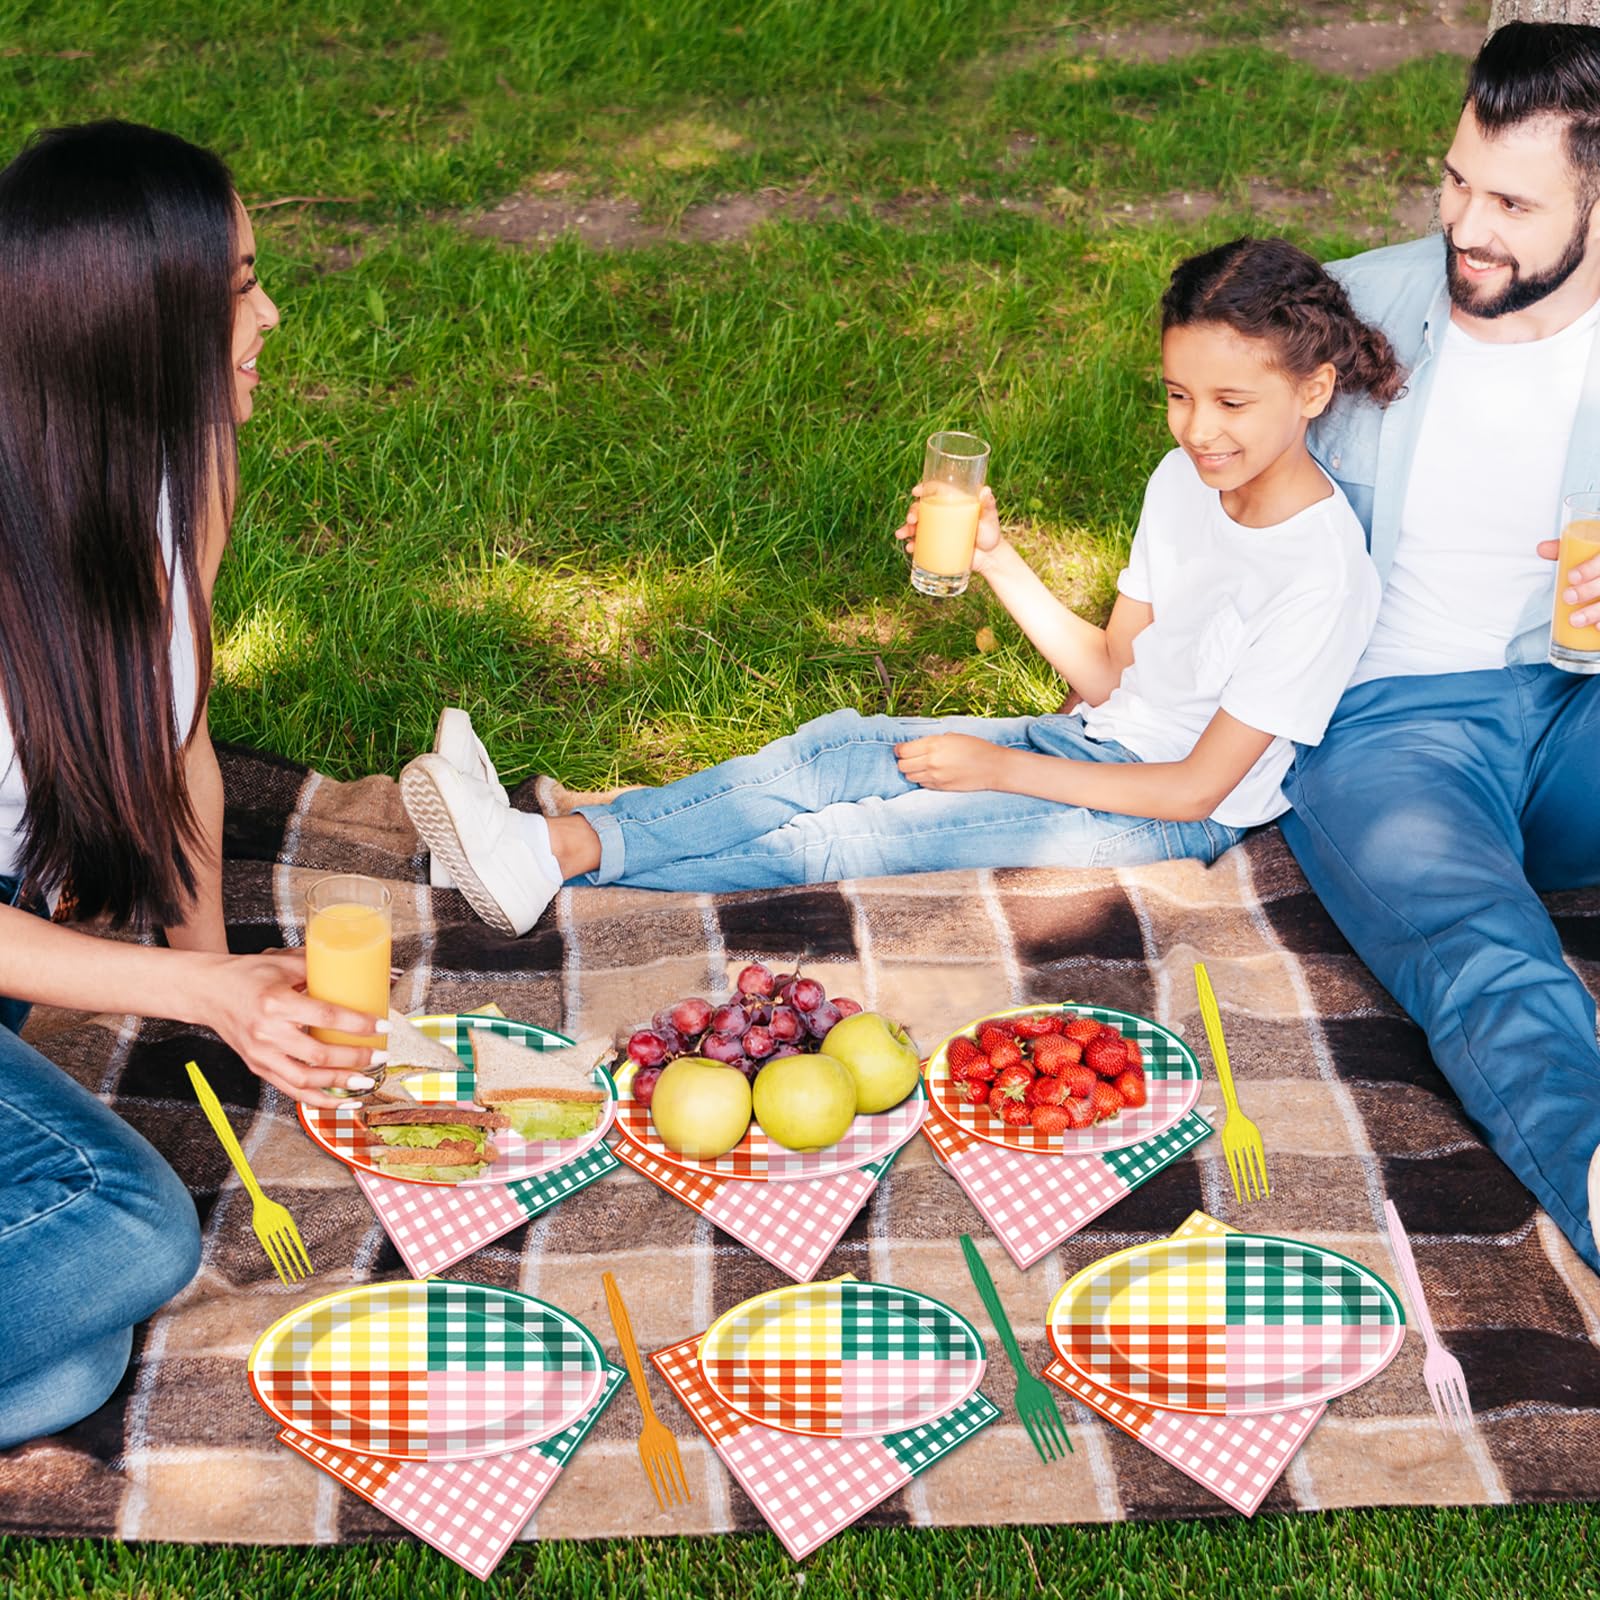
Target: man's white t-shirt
[1484, 488]
[1263, 623]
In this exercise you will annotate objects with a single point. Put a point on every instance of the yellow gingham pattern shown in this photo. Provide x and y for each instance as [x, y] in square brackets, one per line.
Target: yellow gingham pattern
[387, 1335]
[1182, 1290]
[803, 1327]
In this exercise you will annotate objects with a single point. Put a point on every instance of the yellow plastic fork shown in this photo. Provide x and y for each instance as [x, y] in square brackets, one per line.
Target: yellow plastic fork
[1241, 1138]
[658, 1449]
[274, 1226]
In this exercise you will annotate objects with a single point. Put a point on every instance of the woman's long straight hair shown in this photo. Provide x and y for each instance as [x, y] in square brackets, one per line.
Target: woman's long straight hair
[117, 247]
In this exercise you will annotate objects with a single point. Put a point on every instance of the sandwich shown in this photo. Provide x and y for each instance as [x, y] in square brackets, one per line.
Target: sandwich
[546, 1094]
[410, 1050]
[442, 1142]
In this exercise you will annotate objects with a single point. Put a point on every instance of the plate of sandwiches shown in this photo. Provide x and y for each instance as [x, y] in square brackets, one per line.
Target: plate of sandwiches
[472, 1100]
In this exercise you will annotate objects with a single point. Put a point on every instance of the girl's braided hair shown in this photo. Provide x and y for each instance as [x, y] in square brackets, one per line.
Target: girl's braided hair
[1270, 289]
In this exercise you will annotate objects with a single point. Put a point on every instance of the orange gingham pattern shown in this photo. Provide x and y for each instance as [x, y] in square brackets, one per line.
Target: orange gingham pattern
[392, 1407]
[367, 1475]
[799, 1396]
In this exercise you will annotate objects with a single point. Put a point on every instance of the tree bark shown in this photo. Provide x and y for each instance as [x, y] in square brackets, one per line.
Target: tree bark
[1503, 11]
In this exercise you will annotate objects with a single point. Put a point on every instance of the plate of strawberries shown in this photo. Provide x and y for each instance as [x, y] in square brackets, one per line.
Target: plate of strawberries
[1064, 1079]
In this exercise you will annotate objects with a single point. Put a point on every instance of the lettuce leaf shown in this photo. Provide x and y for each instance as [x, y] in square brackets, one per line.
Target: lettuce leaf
[426, 1135]
[540, 1120]
[434, 1174]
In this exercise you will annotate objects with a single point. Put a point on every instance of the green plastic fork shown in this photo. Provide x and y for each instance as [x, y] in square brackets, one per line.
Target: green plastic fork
[1036, 1406]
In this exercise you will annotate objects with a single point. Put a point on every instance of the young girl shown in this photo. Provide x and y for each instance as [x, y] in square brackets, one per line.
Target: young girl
[1245, 604]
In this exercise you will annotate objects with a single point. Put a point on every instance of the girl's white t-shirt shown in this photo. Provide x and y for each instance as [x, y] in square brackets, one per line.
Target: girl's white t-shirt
[1266, 624]
[185, 693]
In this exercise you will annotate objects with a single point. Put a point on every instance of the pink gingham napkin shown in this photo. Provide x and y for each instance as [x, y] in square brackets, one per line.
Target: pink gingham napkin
[793, 1225]
[469, 1511]
[1032, 1202]
[1237, 1458]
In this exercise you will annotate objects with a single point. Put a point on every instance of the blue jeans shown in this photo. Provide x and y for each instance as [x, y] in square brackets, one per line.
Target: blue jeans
[1429, 819]
[96, 1233]
[828, 802]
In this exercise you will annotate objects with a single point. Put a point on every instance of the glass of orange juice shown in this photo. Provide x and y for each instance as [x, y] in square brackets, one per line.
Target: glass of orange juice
[953, 470]
[1575, 649]
[348, 926]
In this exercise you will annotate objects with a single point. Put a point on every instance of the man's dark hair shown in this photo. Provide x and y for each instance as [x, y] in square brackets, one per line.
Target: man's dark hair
[1535, 69]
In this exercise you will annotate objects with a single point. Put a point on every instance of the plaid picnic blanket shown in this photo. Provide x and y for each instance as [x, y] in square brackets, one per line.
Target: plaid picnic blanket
[1341, 1084]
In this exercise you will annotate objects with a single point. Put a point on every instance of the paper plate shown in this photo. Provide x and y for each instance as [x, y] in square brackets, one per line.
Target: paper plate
[758, 1160]
[842, 1360]
[1172, 1083]
[433, 1371]
[342, 1134]
[1230, 1326]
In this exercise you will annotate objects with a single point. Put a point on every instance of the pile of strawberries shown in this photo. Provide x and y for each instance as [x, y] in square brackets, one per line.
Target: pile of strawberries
[1051, 1071]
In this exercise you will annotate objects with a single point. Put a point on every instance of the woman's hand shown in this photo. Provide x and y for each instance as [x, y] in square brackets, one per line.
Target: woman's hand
[955, 761]
[258, 1006]
[989, 536]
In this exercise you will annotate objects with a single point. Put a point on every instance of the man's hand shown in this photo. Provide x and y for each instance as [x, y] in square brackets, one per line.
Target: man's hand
[1580, 586]
[954, 761]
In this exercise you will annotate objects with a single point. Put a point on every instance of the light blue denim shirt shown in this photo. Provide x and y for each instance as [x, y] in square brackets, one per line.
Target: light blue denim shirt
[1367, 448]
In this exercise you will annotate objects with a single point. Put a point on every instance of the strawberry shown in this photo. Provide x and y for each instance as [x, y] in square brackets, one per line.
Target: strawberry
[1006, 1055]
[1083, 1029]
[1072, 1049]
[1079, 1081]
[990, 1038]
[973, 1091]
[961, 1051]
[1052, 1053]
[1011, 1108]
[1035, 1027]
[1051, 1024]
[1135, 1054]
[1046, 1092]
[1109, 1030]
[1016, 1114]
[1050, 1119]
[1105, 1101]
[1130, 1085]
[1107, 1057]
[979, 1071]
[1080, 1114]
[1013, 1078]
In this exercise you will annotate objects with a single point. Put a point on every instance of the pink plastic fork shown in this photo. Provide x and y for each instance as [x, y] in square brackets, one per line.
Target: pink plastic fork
[1447, 1385]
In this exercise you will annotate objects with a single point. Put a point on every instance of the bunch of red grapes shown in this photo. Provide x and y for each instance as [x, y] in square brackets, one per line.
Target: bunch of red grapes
[767, 1017]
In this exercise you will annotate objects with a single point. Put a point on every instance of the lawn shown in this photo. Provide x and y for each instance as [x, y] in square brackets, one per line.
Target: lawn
[634, 508]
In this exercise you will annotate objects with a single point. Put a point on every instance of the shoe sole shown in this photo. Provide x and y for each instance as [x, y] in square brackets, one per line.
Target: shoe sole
[431, 817]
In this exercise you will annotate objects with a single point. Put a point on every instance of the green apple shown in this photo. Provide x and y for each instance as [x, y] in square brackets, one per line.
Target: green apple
[804, 1102]
[881, 1058]
[700, 1108]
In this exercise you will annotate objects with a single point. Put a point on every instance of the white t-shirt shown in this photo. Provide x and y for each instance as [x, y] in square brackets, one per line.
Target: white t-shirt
[185, 695]
[1263, 623]
[1484, 488]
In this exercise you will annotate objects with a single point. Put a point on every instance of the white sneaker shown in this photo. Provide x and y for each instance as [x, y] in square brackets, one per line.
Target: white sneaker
[1594, 1196]
[455, 740]
[468, 826]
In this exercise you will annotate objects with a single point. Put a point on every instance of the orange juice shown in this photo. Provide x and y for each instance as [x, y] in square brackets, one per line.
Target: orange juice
[1580, 541]
[947, 531]
[347, 963]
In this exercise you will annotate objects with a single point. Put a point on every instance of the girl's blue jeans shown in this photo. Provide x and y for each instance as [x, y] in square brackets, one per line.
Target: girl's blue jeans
[828, 802]
[96, 1233]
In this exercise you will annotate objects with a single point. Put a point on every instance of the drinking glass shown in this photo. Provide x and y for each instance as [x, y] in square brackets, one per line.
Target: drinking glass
[1575, 649]
[348, 927]
[953, 470]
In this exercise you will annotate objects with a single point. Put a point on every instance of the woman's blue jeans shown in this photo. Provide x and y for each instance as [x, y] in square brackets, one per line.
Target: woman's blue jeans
[828, 803]
[96, 1233]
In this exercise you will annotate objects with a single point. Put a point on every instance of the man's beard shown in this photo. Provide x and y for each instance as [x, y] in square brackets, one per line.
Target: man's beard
[1521, 292]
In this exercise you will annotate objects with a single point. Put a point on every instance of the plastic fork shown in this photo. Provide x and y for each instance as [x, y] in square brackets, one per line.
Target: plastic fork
[274, 1226]
[1241, 1138]
[658, 1449]
[1447, 1384]
[1036, 1407]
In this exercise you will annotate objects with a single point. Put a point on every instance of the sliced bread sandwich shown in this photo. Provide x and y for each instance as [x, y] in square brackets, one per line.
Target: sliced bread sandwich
[547, 1094]
[410, 1050]
[443, 1142]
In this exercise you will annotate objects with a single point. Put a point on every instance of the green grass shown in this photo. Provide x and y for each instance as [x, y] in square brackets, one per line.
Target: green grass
[634, 510]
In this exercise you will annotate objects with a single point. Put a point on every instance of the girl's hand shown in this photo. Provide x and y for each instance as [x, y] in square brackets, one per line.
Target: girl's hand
[258, 1006]
[989, 535]
[955, 761]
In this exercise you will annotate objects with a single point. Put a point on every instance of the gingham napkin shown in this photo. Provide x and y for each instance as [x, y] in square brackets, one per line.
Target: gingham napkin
[1032, 1202]
[469, 1511]
[1237, 1458]
[793, 1225]
[808, 1489]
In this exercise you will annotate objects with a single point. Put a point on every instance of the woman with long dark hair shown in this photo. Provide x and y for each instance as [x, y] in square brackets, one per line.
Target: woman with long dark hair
[130, 321]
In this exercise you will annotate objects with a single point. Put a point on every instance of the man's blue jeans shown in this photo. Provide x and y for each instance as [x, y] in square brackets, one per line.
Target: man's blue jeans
[1429, 820]
[96, 1233]
[828, 802]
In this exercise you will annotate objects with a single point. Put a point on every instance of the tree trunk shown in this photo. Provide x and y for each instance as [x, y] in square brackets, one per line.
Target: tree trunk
[1544, 11]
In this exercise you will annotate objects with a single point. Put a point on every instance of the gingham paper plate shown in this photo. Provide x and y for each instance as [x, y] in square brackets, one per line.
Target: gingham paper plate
[341, 1133]
[433, 1371]
[1172, 1081]
[842, 1360]
[1231, 1326]
[757, 1159]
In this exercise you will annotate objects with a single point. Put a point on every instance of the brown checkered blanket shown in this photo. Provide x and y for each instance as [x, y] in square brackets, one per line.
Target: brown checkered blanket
[1340, 1083]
